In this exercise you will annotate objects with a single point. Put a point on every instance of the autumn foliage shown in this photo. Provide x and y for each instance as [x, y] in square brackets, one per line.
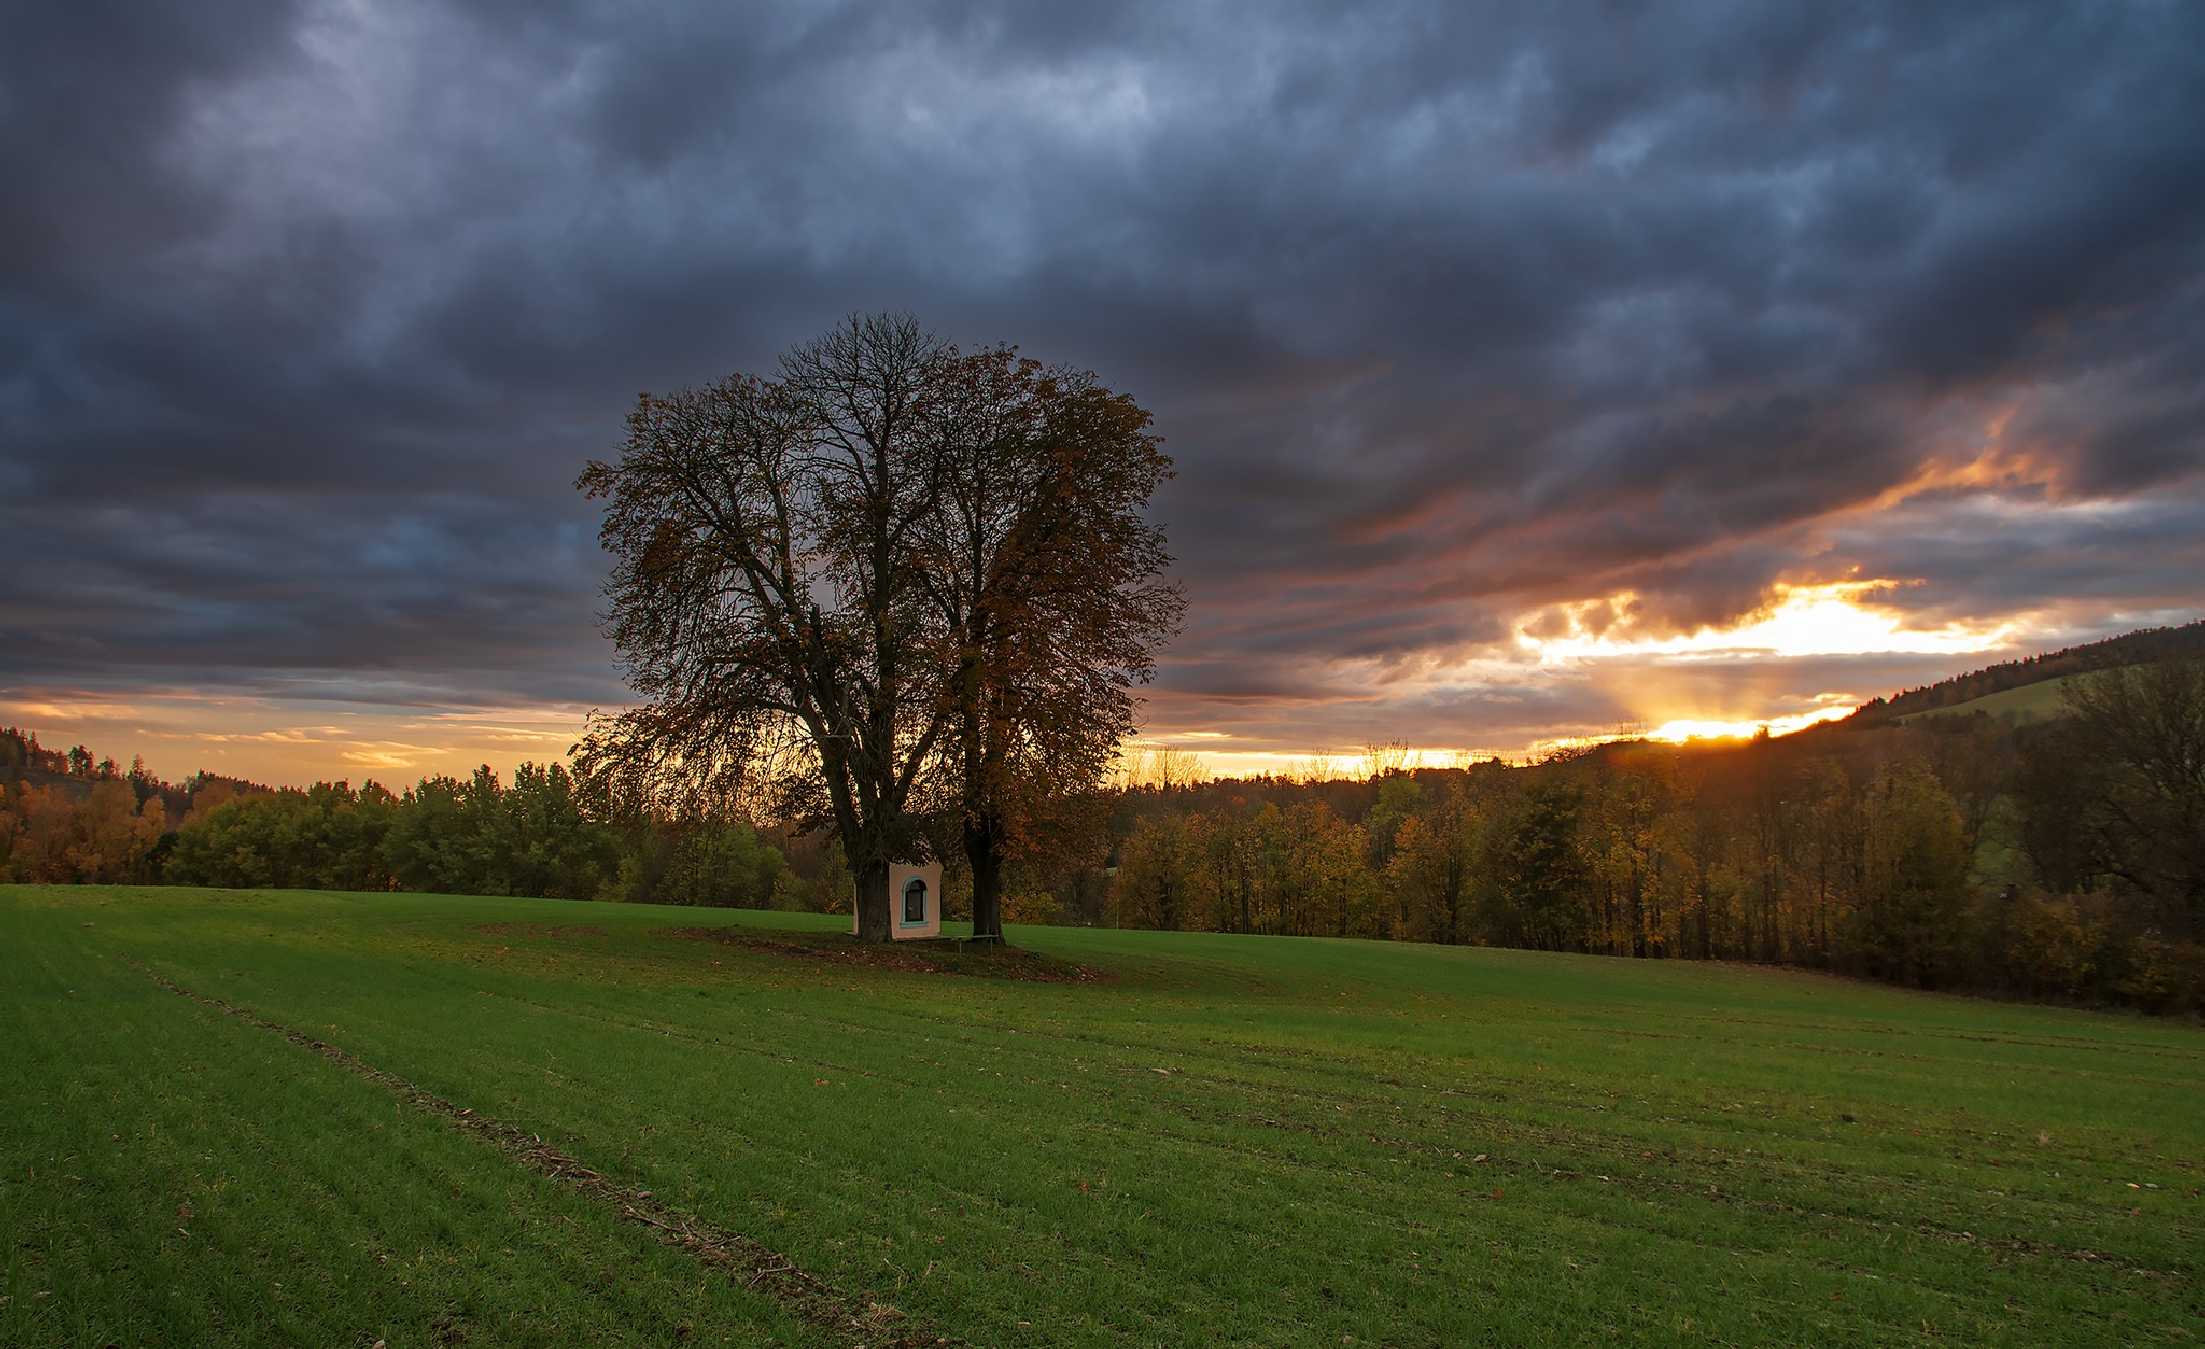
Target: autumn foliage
[2063, 860]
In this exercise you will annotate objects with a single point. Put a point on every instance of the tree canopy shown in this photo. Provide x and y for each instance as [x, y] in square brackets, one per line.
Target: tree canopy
[892, 582]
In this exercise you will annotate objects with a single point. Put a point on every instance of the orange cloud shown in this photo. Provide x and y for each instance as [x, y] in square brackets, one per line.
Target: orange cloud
[1831, 618]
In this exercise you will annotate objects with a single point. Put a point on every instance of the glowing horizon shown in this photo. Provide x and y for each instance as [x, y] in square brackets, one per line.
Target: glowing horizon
[293, 743]
[1589, 679]
[391, 750]
[1679, 731]
[1322, 765]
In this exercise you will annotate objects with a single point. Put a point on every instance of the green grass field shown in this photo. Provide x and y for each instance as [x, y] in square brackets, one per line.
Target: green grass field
[2029, 702]
[1230, 1140]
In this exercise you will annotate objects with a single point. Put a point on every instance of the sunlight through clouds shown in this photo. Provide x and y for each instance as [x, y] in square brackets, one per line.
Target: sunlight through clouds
[1678, 731]
[1827, 619]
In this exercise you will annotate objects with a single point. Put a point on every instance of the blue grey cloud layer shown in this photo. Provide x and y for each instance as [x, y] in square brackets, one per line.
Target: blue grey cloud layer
[309, 314]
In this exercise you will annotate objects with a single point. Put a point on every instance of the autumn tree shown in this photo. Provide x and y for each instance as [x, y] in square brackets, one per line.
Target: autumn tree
[2057, 799]
[1332, 889]
[1225, 871]
[1539, 869]
[888, 575]
[1433, 865]
[765, 597]
[2144, 812]
[1914, 866]
[1767, 850]
[1154, 880]
[10, 825]
[1623, 851]
[99, 836]
[1046, 580]
[1826, 821]
[1697, 878]
[1400, 795]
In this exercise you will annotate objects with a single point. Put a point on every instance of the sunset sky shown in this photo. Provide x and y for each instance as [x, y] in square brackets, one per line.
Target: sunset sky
[1533, 372]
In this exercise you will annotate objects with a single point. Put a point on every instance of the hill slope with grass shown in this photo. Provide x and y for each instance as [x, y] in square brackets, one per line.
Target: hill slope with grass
[2027, 702]
[258, 1117]
[1967, 692]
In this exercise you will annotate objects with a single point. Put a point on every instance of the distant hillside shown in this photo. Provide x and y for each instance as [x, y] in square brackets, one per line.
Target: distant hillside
[26, 763]
[2029, 702]
[1970, 692]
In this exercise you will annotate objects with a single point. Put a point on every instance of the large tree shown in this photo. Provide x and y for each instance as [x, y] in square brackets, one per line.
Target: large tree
[1046, 577]
[890, 577]
[764, 596]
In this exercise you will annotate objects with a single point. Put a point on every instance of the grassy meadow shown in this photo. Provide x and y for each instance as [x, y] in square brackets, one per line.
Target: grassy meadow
[1221, 1140]
[2029, 702]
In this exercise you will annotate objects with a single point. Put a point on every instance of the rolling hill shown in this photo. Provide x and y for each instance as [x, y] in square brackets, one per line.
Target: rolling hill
[2026, 702]
[2044, 672]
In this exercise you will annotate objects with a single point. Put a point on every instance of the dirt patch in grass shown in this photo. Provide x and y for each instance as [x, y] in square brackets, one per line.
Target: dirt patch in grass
[856, 1321]
[540, 930]
[947, 955]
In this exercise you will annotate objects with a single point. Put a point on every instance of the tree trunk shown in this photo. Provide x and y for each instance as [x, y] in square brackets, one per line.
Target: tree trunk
[869, 886]
[984, 856]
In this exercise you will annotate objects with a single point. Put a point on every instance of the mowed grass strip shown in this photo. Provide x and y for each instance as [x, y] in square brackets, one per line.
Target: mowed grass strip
[1274, 1141]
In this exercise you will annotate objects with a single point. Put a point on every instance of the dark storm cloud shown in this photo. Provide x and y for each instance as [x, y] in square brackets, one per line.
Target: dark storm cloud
[379, 588]
[2141, 557]
[86, 99]
[1449, 312]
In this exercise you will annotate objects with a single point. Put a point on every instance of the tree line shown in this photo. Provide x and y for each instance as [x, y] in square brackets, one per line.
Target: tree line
[67, 819]
[2143, 647]
[2060, 859]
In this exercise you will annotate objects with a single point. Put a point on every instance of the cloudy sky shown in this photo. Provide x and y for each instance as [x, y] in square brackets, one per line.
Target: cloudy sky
[1532, 371]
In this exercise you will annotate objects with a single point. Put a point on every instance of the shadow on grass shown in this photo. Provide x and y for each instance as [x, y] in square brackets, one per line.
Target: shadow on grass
[944, 955]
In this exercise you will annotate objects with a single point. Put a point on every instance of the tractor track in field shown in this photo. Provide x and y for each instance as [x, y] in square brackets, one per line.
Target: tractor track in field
[855, 1321]
[1710, 1182]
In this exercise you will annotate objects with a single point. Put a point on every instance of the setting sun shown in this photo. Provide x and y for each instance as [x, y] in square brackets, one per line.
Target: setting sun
[1683, 729]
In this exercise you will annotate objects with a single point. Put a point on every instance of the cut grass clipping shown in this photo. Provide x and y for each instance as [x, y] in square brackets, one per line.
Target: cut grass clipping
[1226, 1140]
